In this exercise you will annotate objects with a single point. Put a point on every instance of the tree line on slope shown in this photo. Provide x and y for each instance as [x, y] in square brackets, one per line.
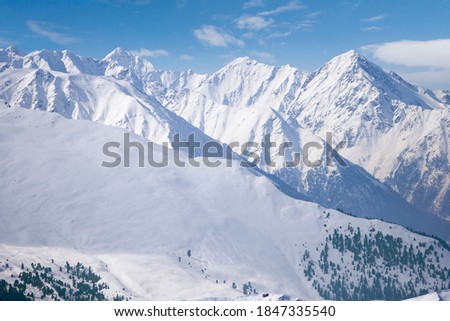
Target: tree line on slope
[375, 266]
[41, 283]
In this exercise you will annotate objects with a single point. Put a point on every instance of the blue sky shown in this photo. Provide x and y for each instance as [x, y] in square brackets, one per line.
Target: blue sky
[204, 34]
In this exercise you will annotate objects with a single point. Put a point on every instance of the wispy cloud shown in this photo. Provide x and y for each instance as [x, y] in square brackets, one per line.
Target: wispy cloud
[252, 22]
[304, 25]
[275, 28]
[144, 52]
[374, 18]
[215, 37]
[291, 6]
[289, 28]
[313, 14]
[253, 4]
[47, 30]
[371, 28]
[275, 35]
[123, 2]
[249, 35]
[186, 57]
[263, 56]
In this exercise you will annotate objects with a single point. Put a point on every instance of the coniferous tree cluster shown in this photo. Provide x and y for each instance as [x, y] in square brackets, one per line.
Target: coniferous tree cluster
[248, 289]
[374, 266]
[84, 284]
[9, 292]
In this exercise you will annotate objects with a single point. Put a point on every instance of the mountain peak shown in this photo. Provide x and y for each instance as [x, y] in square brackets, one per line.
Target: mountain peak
[242, 59]
[68, 53]
[121, 63]
[351, 64]
[348, 58]
[245, 60]
[126, 58]
[350, 53]
[118, 52]
[15, 50]
[244, 64]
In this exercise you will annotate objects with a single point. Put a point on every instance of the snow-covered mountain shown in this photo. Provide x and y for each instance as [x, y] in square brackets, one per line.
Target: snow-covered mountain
[397, 131]
[245, 100]
[183, 233]
[62, 61]
[57, 85]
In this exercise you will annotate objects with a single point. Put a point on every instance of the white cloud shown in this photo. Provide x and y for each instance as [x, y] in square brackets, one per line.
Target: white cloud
[46, 30]
[252, 22]
[215, 37]
[279, 35]
[253, 4]
[263, 56]
[124, 2]
[291, 6]
[374, 18]
[186, 57]
[431, 53]
[313, 14]
[248, 35]
[305, 25]
[371, 28]
[262, 43]
[144, 52]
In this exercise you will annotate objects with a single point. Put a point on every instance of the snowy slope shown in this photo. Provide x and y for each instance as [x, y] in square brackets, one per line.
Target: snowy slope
[135, 225]
[436, 296]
